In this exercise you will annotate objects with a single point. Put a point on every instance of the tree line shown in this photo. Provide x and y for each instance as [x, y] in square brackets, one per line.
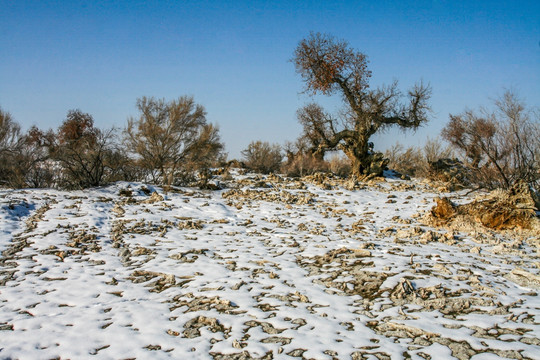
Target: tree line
[172, 143]
[168, 143]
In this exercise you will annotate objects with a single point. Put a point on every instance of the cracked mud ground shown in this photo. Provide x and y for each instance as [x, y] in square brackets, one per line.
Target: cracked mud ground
[267, 268]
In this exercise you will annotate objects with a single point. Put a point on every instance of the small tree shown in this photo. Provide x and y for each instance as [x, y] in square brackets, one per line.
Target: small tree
[9, 132]
[500, 147]
[171, 138]
[81, 150]
[262, 157]
[34, 167]
[329, 66]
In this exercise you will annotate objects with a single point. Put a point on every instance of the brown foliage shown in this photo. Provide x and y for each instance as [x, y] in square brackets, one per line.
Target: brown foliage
[83, 152]
[322, 61]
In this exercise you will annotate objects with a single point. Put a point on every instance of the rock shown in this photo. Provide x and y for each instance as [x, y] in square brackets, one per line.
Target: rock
[444, 209]
[524, 278]
[155, 197]
[192, 326]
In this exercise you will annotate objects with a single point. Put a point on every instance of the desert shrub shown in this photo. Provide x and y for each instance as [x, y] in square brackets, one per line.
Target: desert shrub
[262, 157]
[405, 161]
[419, 162]
[339, 165]
[23, 157]
[35, 168]
[172, 139]
[499, 147]
[301, 159]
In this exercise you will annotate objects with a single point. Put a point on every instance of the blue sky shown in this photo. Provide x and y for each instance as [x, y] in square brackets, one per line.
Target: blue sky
[233, 57]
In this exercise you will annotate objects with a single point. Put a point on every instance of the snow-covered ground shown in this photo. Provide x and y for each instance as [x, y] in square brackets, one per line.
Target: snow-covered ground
[265, 269]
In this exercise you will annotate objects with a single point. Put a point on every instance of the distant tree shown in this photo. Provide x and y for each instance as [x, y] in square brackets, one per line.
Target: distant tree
[500, 147]
[171, 138]
[301, 159]
[34, 168]
[329, 66]
[81, 150]
[10, 134]
[262, 157]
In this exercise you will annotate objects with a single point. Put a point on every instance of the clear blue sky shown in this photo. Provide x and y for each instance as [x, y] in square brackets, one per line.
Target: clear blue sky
[233, 57]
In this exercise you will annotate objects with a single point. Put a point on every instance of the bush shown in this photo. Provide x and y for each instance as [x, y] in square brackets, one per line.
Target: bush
[340, 165]
[418, 162]
[262, 157]
[301, 159]
[36, 168]
[501, 147]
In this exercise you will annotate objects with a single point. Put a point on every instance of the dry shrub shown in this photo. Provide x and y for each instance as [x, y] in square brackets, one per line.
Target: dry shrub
[432, 161]
[502, 210]
[10, 133]
[23, 157]
[340, 165]
[304, 164]
[500, 147]
[82, 152]
[303, 157]
[405, 161]
[262, 157]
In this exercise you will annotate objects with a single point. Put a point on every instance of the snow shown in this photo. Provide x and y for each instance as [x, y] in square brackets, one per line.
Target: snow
[248, 276]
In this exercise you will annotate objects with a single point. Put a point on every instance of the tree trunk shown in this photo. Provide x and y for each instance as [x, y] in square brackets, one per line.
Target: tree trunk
[359, 157]
[363, 161]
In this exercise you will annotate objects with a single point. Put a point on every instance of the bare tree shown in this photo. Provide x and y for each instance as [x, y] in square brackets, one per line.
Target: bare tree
[500, 147]
[330, 66]
[168, 136]
[207, 152]
[10, 134]
[262, 157]
[34, 167]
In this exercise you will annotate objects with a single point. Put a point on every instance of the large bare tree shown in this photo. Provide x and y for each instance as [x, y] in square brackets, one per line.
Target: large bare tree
[329, 66]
